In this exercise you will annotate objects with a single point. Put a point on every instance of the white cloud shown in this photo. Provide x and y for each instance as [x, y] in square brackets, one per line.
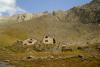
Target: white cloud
[9, 7]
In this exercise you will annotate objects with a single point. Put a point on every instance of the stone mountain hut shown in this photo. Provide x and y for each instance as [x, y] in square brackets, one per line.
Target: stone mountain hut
[48, 40]
[29, 41]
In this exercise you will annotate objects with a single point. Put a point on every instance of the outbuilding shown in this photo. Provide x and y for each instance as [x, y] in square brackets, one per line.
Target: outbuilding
[48, 40]
[29, 41]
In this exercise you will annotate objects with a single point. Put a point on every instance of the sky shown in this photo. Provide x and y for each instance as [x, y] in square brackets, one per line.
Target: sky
[11, 7]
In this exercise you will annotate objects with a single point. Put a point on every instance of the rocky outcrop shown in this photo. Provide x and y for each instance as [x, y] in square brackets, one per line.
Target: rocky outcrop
[89, 13]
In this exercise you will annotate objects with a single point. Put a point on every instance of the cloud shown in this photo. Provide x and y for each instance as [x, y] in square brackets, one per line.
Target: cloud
[8, 7]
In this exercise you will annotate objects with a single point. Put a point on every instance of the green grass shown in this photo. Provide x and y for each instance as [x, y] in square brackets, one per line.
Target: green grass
[17, 53]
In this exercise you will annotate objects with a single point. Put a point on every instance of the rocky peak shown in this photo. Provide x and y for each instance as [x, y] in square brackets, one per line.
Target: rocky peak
[89, 13]
[96, 1]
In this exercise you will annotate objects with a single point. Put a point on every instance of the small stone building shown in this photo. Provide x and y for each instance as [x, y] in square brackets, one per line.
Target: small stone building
[29, 41]
[24, 17]
[48, 40]
[20, 18]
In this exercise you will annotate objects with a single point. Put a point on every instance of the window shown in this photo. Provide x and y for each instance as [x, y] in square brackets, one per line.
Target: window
[46, 36]
[29, 41]
[54, 40]
[46, 40]
[25, 44]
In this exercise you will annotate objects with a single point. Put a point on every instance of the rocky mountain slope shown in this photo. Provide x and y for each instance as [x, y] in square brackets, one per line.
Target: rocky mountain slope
[77, 26]
[75, 36]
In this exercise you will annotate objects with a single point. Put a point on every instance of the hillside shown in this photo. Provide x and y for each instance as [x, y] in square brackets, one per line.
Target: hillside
[76, 26]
